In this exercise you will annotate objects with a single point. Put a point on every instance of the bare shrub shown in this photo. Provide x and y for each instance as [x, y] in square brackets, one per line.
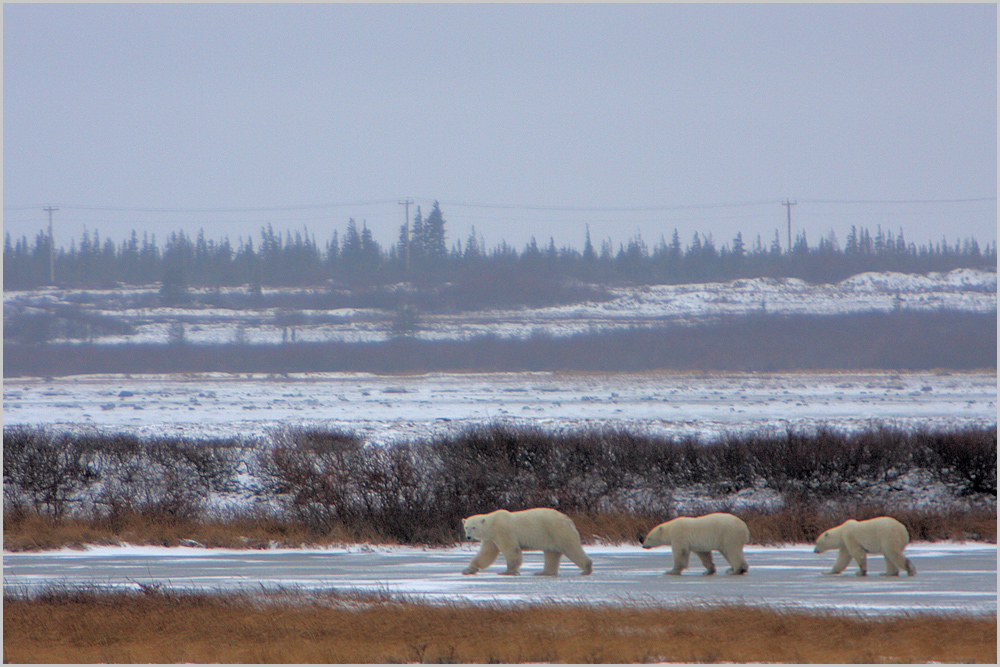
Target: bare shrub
[43, 472]
[309, 474]
[493, 466]
[330, 483]
[966, 458]
[166, 478]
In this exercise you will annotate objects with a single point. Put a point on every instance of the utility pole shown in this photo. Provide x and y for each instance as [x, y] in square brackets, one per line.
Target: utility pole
[788, 205]
[52, 246]
[406, 202]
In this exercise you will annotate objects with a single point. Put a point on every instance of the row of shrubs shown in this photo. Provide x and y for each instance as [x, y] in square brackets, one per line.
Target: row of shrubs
[417, 491]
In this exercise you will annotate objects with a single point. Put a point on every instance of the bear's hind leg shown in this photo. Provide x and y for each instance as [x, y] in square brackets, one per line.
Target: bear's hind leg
[551, 569]
[737, 562]
[706, 560]
[488, 553]
[576, 554]
[896, 561]
[681, 556]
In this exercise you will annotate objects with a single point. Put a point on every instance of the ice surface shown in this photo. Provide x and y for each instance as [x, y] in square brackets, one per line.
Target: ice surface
[952, 577]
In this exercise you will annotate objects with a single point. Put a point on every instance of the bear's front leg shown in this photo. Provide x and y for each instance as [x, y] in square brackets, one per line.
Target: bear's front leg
[681, 556]
[843, 558]
[858, 553]
[488, 553]
[514, 559]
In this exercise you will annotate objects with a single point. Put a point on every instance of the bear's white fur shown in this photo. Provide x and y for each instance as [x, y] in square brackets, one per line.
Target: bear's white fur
[855, 539]
[702, 535]
[510, 532]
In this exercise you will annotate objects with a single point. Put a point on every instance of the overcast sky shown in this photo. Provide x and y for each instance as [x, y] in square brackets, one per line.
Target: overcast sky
[520, 119]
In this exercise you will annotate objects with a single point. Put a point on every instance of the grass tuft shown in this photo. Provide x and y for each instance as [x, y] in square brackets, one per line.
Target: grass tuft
[93, 626]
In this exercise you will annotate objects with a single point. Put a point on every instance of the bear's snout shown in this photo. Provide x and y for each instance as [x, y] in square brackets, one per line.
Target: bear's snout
[646, 546]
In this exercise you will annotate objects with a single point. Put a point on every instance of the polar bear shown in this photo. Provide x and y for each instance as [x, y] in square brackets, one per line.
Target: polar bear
[703, 534]
[881, 535]
[509, 532]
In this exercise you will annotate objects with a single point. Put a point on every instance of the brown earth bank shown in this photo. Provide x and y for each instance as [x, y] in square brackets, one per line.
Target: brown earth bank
[29, 532]
[73, 626]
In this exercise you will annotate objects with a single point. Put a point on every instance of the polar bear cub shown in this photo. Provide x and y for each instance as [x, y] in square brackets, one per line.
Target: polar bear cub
[703, 535]
[510, 532]
[855, 539]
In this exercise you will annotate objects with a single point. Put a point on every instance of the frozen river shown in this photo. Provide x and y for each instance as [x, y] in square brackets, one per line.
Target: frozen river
[386, 408]
[952, 577]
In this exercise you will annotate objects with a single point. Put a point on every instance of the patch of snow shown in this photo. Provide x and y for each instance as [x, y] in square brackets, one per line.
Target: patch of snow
[384, 409]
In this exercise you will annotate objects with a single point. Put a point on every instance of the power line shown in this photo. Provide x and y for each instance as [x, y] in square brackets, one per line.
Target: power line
[521, 207]
[252, 209]
[607, 209]
[898, 201]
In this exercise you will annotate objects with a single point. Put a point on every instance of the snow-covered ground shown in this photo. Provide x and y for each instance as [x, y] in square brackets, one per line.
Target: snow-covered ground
[966, 290]
[951, 577]
[388, 408]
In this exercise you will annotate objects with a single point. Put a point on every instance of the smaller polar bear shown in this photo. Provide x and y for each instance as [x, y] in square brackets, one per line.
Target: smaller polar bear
[509, 532]
[855, 539]
[702, 535]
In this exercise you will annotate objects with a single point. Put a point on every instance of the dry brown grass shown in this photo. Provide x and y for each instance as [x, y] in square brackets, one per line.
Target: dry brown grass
[35, 532]
[28, 532]
[798, 525]
[85, 627]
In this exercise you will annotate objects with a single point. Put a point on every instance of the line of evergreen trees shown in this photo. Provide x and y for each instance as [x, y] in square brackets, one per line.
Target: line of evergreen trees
[422, 256]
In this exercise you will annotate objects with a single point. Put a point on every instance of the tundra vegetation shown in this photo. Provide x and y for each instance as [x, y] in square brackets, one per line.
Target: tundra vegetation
[160, 626]
[302, 486]
[306, 486]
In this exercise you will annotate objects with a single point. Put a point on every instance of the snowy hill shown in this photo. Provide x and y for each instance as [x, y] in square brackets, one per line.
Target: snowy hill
[965, 290]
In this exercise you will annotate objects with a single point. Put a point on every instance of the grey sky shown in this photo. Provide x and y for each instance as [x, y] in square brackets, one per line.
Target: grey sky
[651, 114]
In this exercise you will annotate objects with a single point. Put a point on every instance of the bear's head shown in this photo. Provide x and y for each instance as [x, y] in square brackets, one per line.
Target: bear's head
[657, 537]
[827, 541]
[475, 527]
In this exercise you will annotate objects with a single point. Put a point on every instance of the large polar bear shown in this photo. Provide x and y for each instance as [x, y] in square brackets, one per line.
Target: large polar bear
[855, 539]
[702, 535]
[509, 532]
